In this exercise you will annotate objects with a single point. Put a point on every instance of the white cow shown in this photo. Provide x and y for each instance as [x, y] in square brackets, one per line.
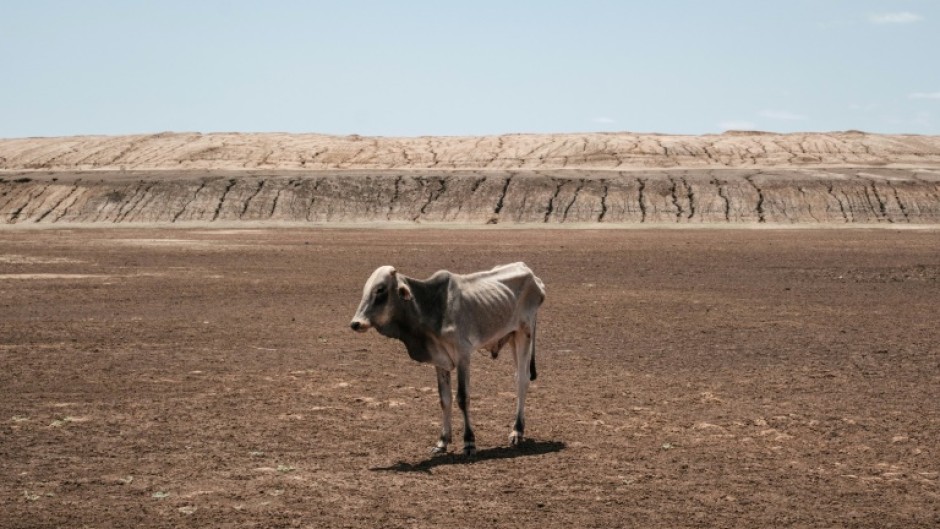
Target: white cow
[445, 318]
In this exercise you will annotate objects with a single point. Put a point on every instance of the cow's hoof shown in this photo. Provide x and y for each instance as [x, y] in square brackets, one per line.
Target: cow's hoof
[469, 450]
[439, 449]
[516, 438]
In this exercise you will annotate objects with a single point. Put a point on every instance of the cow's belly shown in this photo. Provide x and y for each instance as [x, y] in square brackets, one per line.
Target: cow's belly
[489, 324]
[495, 345]
[493, 337]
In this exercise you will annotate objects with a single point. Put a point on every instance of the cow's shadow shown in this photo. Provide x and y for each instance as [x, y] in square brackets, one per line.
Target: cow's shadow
[527, 448]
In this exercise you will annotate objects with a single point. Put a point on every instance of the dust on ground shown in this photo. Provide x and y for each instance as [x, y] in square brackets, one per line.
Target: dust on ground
[704, 378]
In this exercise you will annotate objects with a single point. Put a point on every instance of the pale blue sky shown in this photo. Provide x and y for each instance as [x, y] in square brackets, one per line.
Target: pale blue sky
[437, 67]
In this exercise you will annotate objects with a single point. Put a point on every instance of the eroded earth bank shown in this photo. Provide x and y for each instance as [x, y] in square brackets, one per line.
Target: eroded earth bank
[738, 178]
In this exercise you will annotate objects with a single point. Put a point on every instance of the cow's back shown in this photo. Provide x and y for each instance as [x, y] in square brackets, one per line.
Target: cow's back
[518, 277]
[488, 304]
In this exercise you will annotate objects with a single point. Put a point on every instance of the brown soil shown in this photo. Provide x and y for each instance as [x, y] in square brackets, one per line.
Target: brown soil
[686, 379]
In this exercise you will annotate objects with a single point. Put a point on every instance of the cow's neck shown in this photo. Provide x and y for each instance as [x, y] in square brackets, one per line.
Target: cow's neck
[426, 310]
[421, 318]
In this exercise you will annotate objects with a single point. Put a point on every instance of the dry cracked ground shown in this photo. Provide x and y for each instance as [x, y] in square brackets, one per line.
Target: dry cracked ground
[687, 378]
[589, 179]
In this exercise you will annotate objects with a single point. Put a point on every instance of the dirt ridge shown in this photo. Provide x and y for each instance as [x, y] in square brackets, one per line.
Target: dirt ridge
[610, 178]
[719, 196]
[600, 151]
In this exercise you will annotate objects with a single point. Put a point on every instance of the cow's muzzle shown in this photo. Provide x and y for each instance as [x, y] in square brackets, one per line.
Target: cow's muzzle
[359, 326]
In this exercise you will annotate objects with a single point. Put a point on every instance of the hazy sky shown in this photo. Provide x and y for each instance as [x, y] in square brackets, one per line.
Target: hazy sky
[438, 67]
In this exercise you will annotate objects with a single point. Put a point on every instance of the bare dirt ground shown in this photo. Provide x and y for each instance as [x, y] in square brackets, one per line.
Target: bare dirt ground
[708, 378]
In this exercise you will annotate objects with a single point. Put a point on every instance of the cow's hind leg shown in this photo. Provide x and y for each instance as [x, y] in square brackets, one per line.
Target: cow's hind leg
[463, 400]
[522, 349]
[443, 390]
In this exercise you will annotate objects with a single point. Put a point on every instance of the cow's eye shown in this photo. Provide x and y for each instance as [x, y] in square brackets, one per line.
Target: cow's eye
[381, 294]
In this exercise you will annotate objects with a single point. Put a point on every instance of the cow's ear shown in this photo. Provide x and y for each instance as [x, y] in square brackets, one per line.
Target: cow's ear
[404, 292]
[393, 272]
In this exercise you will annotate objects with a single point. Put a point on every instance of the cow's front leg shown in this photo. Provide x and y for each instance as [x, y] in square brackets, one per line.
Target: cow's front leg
[443, 390]
[463, 400]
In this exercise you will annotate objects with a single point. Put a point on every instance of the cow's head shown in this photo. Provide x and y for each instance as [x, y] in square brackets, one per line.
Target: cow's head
[381, 296]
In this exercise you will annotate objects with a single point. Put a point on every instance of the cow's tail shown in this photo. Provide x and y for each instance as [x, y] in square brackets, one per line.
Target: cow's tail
[532, 373]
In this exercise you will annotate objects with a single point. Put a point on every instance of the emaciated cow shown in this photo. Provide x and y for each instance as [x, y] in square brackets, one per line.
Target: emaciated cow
[445, 318]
